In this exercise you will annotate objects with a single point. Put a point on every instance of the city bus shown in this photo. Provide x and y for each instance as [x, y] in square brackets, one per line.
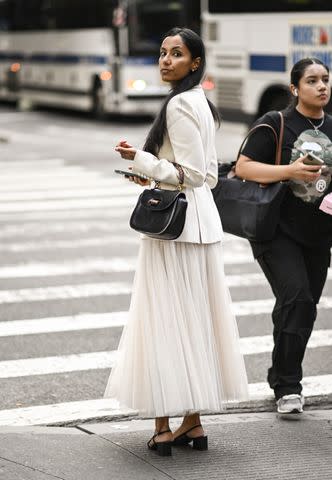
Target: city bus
[252, 46]
[96, 55]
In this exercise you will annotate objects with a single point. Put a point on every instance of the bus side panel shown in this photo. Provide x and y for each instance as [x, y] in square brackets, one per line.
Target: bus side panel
[249, 56]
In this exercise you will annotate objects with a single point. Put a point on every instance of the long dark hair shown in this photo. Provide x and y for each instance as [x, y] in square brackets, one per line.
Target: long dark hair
[300, 67]
[195, 45]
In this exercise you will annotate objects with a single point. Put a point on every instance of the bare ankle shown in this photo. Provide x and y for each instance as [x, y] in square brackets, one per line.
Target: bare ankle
[162, 424]
[191, 420]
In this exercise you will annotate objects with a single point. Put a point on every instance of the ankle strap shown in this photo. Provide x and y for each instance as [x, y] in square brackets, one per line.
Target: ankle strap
[192, 428]
[164, 431]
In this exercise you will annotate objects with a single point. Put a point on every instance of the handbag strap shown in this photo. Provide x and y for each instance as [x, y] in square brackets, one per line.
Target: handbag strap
[181, 177]
[278, 139]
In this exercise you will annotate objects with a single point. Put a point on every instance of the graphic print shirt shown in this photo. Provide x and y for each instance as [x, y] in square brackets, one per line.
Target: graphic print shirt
[300, 217]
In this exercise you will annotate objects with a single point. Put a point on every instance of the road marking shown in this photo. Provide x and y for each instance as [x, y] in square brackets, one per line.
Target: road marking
[56, 174]
[85, 321]
[69, 204]
[264, 343]
[89, 192]
[93, 180]
[58, 364]
[253, 279]
[72, 243]
[64, 292]
[64, 412]
[98, 265]
[258, 307]
[129, 238]
[99, 360]
[312, 386]
[105, 265]
[30, 229]
[243, 308]
[245, 279]
[249, 345]
[78, 267]
[31, 164]
[229, 259]
[94, 213]
[106, 408]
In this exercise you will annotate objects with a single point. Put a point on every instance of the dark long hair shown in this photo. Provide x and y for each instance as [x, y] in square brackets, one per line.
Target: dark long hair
[195, 45]
[300, 67]
[298, 71]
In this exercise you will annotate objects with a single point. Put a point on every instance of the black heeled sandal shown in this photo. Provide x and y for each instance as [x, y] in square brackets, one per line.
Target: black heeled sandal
[199, 443]
[164, 449]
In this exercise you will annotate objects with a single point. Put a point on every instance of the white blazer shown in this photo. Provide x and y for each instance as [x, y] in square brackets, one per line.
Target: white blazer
[190, 142]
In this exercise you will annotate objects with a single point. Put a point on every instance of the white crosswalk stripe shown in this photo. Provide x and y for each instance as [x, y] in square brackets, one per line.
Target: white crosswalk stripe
[64, 292]
[50, 206]
[70, 204]
[31, 164]
[74, 267]
[33, 229]
[118, 213]
[72, 244]
[46, 195]
[76, 182]
[249, 345]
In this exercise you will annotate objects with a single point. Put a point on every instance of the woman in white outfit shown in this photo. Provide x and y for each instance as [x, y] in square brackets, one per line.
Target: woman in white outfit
[179, 352]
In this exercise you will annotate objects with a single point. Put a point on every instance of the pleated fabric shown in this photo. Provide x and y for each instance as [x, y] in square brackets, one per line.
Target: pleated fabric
[179, 352]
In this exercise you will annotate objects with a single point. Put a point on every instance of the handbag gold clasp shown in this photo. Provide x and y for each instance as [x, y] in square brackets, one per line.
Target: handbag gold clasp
[153, 202]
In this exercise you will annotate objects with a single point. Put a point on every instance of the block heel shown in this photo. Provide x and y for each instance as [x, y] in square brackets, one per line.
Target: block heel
[164, 449]
[200, 443]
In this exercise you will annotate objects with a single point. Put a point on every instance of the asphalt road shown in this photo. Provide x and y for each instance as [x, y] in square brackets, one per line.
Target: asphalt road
[66, 250]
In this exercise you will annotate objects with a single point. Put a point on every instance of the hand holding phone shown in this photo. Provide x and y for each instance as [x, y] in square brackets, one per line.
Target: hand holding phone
[313, 159]
[128, 174]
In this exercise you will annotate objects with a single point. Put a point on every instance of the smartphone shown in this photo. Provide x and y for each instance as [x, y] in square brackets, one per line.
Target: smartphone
[127, 174]
[313, 159]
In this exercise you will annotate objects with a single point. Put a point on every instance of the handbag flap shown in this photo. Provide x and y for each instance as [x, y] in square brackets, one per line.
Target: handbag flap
[157, 199]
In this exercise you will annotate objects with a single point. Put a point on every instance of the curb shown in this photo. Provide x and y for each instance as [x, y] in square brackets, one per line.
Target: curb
[322, 402]
[72, 414]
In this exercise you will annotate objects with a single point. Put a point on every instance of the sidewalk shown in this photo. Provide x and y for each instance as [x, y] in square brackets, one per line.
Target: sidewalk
[257, 446]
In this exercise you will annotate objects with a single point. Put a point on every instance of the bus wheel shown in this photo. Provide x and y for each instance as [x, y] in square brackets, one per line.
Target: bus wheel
[98, 101]
[274, 100]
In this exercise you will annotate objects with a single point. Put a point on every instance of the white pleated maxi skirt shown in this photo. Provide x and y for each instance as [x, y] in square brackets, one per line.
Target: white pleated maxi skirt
[179, 352]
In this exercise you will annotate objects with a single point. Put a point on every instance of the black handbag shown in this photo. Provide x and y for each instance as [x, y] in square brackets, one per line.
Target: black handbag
[160, 213]
[246, 208]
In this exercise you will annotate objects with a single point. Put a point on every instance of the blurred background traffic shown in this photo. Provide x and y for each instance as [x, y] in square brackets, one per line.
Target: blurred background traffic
[101, 56]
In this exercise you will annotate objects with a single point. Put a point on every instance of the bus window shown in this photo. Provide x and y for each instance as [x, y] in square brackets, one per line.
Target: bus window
[26, 15]
[148, 20]
[57, 14]
[5, 23]
[245, 6]
[74, 14]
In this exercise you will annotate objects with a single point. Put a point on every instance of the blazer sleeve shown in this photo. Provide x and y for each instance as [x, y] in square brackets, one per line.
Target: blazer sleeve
[185, 138]
[212, 172]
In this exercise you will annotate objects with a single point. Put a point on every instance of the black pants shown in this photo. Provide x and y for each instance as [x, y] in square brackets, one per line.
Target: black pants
[297, 276]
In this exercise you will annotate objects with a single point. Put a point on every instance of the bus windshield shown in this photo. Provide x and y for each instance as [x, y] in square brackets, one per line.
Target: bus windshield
[148, 21]
[217, 6]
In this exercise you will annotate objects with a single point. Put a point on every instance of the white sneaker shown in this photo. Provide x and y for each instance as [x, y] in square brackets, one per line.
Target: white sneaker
[290, 403]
